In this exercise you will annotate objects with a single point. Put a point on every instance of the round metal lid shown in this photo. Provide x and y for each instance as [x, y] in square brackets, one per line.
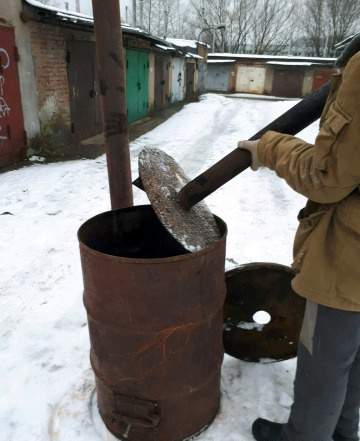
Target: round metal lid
[264, 288]
[162, 179]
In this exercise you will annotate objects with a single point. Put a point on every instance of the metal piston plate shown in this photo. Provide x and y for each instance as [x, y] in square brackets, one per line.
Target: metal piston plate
[162, 179]
[264, 288]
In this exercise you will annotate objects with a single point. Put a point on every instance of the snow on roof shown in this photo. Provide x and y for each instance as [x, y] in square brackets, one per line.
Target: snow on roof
[179, 42]
[190, 55]
[75, 17]
[290, 63]
[60, 12]
[165, 48]
[272, 57]
[221, 61]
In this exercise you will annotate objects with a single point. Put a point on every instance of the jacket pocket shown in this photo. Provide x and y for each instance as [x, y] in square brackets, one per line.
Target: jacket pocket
[347, 239]
[308, 223]
[334, 124]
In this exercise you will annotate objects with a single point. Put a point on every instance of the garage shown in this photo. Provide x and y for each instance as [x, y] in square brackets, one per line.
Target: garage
[219, 75]
[288, 80]
[137, 84]
[251, 79]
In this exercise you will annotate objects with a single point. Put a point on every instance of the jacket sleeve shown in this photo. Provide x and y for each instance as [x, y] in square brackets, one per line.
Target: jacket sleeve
[329, 170]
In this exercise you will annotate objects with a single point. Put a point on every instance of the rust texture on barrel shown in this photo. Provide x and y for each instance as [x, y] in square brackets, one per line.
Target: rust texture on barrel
[155, 317]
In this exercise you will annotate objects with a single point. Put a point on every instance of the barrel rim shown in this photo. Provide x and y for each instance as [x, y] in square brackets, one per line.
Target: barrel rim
[260, 265]
[156, 261]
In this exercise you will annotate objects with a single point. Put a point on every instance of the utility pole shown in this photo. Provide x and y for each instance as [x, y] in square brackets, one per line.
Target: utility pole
[134, 12]
[142, 14]
[166, 19]
[111, 74]
[77, 6]
[150, 12]
[220, 27]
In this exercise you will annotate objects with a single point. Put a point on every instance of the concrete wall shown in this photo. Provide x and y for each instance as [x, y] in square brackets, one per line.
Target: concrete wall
[196, 78]
[233, 75]
[203, 51]
[202, 74]
[269, 81]
[10, 14]
[308, 82]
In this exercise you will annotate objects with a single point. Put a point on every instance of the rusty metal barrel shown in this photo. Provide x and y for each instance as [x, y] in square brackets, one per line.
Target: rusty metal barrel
[155, 314]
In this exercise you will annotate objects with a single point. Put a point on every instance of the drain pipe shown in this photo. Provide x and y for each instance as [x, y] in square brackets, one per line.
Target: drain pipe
[111, 74]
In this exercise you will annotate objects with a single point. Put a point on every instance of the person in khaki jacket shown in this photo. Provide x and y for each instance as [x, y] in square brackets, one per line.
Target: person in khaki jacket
[327, 261]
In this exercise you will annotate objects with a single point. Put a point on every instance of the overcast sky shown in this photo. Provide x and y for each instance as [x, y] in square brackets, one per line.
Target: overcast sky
[86, 5]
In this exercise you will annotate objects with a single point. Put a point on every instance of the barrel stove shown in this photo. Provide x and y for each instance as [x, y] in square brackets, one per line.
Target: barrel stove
[155, 314]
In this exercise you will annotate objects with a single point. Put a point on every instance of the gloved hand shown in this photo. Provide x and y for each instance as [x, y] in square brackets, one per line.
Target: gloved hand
[251, 146]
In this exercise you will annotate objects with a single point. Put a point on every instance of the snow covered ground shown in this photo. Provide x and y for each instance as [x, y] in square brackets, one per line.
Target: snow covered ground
[45, 380]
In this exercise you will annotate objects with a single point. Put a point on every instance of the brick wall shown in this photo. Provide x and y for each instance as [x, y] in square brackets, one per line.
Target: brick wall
[203, 51]
[49, 53]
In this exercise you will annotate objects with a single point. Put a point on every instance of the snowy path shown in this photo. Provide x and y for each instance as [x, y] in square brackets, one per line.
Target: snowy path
[44, 340]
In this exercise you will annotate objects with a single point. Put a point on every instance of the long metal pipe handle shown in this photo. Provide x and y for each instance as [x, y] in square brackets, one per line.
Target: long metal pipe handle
[292, 122]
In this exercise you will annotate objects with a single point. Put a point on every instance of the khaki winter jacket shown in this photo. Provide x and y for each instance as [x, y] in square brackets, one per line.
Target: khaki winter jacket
[327, 243]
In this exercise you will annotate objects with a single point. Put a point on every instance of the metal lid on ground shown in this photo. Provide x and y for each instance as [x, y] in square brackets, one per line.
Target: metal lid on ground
[162, 179]
[255, 291]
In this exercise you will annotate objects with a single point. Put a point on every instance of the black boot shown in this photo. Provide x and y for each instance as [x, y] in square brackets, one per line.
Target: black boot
[264, 430]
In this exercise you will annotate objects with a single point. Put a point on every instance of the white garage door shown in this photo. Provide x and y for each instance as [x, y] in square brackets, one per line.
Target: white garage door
[177, 80]
[250, 79]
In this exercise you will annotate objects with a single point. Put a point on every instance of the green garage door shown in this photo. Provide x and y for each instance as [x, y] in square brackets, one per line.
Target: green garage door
[137, 84]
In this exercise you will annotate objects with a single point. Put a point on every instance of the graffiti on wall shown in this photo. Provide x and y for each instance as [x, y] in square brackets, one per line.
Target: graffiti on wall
[4, 108]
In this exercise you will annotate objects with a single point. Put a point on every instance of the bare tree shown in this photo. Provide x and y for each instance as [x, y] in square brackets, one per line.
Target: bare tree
[343, 19]
[240, 25]
[233, 14]
[327, 22]
[314, 23]
[164, 17]
[250, 25]
[271, 25]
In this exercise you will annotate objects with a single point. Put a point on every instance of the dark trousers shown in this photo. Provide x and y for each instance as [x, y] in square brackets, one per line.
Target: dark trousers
[327, 385]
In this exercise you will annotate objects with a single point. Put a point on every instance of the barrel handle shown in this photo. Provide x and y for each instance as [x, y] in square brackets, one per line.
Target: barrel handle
[135, 412]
